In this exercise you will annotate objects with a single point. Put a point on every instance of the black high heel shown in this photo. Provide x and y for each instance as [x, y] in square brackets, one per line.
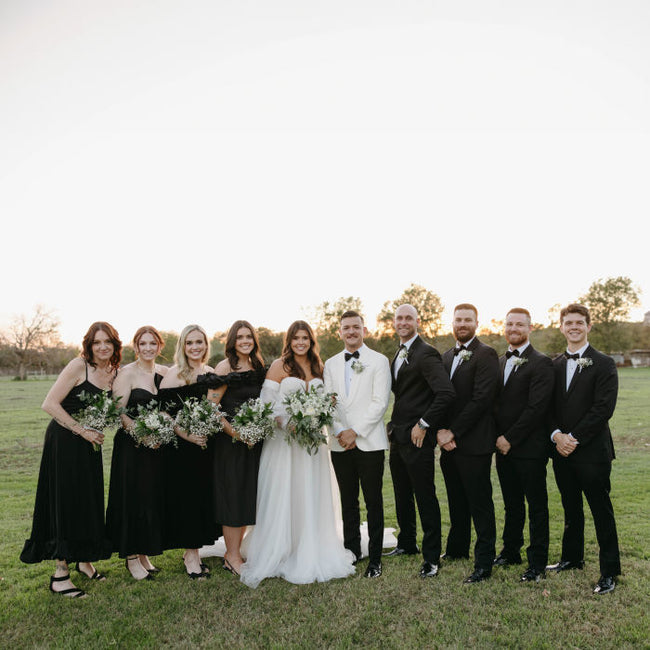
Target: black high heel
[149, 575]
[70, 593]
[94, 576]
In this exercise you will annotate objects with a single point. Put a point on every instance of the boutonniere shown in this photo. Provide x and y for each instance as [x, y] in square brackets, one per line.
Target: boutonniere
[357, 366]
[584, 362]
[518, 361]
[404, 355]
[465, 355]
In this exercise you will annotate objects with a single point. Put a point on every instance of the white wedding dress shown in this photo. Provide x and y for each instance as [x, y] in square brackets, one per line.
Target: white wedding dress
[295, 536]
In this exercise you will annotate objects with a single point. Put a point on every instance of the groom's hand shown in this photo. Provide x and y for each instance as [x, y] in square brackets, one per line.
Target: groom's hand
[347, 439]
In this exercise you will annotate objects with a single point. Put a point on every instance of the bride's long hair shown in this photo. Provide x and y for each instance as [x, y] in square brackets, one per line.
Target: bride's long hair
[289, 362]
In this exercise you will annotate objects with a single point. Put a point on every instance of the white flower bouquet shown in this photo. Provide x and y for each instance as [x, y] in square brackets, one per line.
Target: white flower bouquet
[201, 417]
[152, 427]
[309, 411]
[254, 421]
[100, 412]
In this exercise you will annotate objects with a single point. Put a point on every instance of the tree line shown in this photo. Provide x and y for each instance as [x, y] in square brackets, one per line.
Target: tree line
[32, 342]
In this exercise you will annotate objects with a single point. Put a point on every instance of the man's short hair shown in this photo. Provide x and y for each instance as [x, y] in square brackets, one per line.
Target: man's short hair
[575, 308]
[467, 305]
[351, 313]
[520, 310]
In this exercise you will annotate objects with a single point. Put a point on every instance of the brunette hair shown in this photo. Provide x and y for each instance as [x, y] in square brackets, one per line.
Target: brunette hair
[180, 359]
[575, 308]
[351, 313]
[289, 362]
[87, 345]
[231, 339]
[467, 305]
[147, 329]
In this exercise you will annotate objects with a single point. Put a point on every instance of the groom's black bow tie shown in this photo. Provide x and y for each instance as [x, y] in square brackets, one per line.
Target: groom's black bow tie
[512, 353]
[459, 349]
[349, 355]
[572, 356]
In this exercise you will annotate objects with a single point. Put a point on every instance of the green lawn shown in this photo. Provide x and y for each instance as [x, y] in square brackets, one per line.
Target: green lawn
[397, 610]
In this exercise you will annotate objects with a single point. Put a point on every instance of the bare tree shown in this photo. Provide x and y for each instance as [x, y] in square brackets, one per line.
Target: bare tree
[28, 336]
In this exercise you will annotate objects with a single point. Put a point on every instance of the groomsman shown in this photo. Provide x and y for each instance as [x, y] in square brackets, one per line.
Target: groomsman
[522, 445]
[468, 441]
[586, 387]
[361, 378]
[423, 393]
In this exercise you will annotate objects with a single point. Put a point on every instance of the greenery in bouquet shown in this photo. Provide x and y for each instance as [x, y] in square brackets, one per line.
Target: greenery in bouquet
[309, 411]
[101, 411]
[201, 417]
[152, 427]
[254, 421]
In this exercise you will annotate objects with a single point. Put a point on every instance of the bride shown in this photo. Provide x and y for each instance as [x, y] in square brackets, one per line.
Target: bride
[295, 536]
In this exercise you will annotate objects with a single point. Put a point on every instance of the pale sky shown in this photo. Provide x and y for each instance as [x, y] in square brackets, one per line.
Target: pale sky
[166, 163]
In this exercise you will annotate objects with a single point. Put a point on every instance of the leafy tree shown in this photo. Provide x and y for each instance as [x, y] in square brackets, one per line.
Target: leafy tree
[270, 344]
[27, 336]
[609, 302]
[428, 305]
[326, 316]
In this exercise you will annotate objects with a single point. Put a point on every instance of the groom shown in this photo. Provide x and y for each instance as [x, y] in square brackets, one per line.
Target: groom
[361, 378]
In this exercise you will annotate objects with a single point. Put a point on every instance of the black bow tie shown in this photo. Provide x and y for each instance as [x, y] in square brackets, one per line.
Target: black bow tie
[575, 356]
[459, 349]
[512, 353]
[349, 355]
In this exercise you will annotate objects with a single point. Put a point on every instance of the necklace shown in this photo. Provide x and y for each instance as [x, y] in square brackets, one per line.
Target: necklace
[146, 370]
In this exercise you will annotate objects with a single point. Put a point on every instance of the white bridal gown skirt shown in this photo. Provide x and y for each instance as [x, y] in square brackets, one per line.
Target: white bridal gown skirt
[296, 536]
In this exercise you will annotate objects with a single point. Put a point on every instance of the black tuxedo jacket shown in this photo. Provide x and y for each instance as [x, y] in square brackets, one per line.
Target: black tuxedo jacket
[522, 407]
[586, 408]
[470, 416]
[422, 390]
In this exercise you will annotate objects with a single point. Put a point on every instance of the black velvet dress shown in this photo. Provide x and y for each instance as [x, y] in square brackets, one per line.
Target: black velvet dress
[68, 521]
[235, 464]
[136, 498]
[189, 522]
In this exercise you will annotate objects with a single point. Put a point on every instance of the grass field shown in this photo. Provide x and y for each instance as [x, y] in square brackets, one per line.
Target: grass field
[398, 610]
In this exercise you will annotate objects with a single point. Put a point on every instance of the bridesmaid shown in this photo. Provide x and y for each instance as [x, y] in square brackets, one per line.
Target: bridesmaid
[134, 517]
[188, 477]
[241, 374]
[68, 524]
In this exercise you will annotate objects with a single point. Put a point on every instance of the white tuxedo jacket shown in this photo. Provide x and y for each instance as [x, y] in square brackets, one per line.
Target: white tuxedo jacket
[363, 409]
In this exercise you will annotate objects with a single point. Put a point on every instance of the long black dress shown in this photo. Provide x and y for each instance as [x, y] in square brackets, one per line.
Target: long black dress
[68, 519]
[235, 464]
[188, 482]
[136, 499]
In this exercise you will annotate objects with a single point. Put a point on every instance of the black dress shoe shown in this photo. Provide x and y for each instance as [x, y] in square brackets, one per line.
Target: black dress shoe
[478, 576]
[532, 575]
[373, 571]
[401, 551]
[565, 565]
[428, 570]
[452, 558]
[504, 560]
[605, 585]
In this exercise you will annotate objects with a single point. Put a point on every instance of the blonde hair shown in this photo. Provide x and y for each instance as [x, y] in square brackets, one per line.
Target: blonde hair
[180, 358]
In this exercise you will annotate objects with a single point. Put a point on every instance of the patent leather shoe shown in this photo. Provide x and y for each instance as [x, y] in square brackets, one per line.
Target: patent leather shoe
[565, 565]
[372, 571]
[428, 570]
[605, 585]
[532, 575]
[401, 551]
[504, 560]
[477, 576]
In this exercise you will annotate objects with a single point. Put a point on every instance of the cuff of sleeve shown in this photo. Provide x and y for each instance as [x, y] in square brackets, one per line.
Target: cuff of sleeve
[423, 424]
[553, 435]
[574, 439]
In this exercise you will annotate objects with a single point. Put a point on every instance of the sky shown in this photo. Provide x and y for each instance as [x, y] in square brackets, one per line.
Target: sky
[168, 163]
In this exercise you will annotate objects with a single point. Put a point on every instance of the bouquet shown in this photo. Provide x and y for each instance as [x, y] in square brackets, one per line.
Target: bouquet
[152, 427]
[200, 417]
[253, 421]
[100, 412]
[309, 411]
